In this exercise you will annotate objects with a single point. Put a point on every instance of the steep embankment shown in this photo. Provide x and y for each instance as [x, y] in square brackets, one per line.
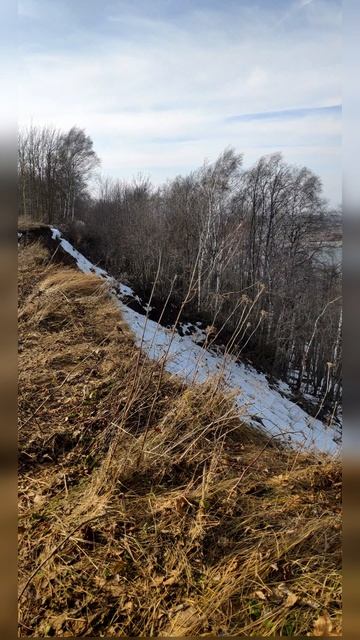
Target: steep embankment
[184, 353]
[149, 508]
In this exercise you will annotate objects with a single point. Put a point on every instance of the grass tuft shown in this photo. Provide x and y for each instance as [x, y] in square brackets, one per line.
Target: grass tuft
[147, 508]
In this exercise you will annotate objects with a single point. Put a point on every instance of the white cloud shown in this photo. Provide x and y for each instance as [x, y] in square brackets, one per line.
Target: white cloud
[182, 82]
[303, 3]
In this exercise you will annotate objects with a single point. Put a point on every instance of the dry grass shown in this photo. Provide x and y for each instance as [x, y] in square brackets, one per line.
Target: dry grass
[202, 528]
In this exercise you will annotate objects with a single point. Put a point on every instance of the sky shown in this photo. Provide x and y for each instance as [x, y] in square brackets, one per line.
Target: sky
[162, 85]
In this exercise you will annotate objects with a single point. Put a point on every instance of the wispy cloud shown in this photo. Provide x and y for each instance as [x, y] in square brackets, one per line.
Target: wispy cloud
[303, 3]
[161, 85]
[288, 114]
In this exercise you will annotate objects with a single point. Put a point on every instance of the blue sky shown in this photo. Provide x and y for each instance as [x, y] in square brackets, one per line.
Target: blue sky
[161, 85]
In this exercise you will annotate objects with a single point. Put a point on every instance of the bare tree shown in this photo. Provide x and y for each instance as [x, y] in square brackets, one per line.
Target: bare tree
[239, 232]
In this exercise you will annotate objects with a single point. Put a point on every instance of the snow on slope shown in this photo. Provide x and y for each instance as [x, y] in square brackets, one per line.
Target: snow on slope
[260, 404]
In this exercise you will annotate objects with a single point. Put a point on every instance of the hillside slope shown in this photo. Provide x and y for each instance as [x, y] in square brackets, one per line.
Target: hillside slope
[187, 352]
[147, 507]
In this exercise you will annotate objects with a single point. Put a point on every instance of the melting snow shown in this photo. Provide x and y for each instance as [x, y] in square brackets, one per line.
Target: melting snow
[260, 404]
[83, 263]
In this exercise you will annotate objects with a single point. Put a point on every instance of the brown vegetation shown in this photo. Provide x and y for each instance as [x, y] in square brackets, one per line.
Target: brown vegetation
[252, 241]
[165, 518]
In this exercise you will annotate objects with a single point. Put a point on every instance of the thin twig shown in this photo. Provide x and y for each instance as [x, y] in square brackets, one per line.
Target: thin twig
[40, 566]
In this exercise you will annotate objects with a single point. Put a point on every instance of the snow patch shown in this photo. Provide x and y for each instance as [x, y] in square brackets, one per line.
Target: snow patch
[259, 403]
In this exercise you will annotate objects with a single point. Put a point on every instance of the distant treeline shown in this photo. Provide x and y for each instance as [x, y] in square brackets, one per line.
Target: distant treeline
[242, 240]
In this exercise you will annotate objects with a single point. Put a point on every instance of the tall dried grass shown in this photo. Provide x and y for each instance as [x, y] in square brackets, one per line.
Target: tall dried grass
[147, 508]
